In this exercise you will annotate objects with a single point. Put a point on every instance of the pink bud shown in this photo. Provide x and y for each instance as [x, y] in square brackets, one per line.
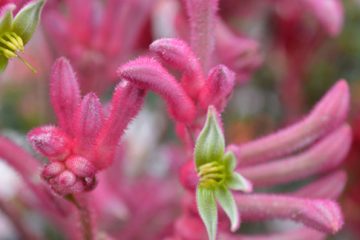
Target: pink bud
[64, 93]
[329, 13]
[52, 170]
[148, 74]
[66, 179]
[328, 114]
[188, 176]
[51, 142]
[126, 103]
[320, 158]
[77, 187]
[323, 215]
[179, 55]
[89, 120]
[80, 166]
[218, 88]
[89, 183]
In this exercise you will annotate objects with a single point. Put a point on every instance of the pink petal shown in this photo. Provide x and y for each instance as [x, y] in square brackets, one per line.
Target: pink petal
[323, 215]
[126, 102]
[80, 166]
[51, 142]
[295, 234]
[64, 94]
[322, 157]
[178, 54]
[218, 88]
[148, 74]
[329, 13]
[328, 114]
[330, 186]
[88, 123]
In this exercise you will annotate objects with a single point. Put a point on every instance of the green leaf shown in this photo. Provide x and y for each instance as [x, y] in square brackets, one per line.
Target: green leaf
[3, 63]
[230, 161]
[27, 19]
[6, 19]
[227, 202]
[210, 144]
[206, 204]
[238, 182]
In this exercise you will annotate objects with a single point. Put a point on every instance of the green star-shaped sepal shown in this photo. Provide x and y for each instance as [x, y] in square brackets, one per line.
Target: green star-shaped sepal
[216, 171]
[15, 32]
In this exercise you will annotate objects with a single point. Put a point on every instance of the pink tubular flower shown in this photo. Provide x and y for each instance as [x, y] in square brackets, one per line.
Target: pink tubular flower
[95, 36]
[313, 146]
[84, 142]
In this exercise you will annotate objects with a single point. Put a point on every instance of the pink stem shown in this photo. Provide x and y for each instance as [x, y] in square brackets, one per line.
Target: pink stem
[202, 23]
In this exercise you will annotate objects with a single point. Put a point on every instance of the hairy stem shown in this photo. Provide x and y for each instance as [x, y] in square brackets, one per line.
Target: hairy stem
[85, 217]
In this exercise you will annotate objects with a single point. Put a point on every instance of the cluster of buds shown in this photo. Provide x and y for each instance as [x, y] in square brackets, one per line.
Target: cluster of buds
[189, 99]
[84, 142]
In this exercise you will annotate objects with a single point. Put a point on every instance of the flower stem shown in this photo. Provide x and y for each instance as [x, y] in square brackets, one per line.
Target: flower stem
[85, 217]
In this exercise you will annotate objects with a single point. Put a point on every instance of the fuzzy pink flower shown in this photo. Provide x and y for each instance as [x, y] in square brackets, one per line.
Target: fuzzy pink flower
[84, 142]
[314, 146]
[95, 35]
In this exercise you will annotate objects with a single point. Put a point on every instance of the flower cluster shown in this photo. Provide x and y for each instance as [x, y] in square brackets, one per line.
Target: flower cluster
[193, 65]
[84, 142]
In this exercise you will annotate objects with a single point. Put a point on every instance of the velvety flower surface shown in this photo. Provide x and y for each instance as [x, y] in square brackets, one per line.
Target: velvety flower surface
[84, 142]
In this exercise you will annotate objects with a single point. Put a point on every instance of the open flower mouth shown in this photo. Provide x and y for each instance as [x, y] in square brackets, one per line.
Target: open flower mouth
[211, 174]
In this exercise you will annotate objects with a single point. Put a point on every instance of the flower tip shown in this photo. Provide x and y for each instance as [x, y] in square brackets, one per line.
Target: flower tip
[162, 43]
[248, 186]
[334, 106]
[330, 212]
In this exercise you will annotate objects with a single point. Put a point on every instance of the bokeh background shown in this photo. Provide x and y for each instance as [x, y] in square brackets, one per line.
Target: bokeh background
[259, 106]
